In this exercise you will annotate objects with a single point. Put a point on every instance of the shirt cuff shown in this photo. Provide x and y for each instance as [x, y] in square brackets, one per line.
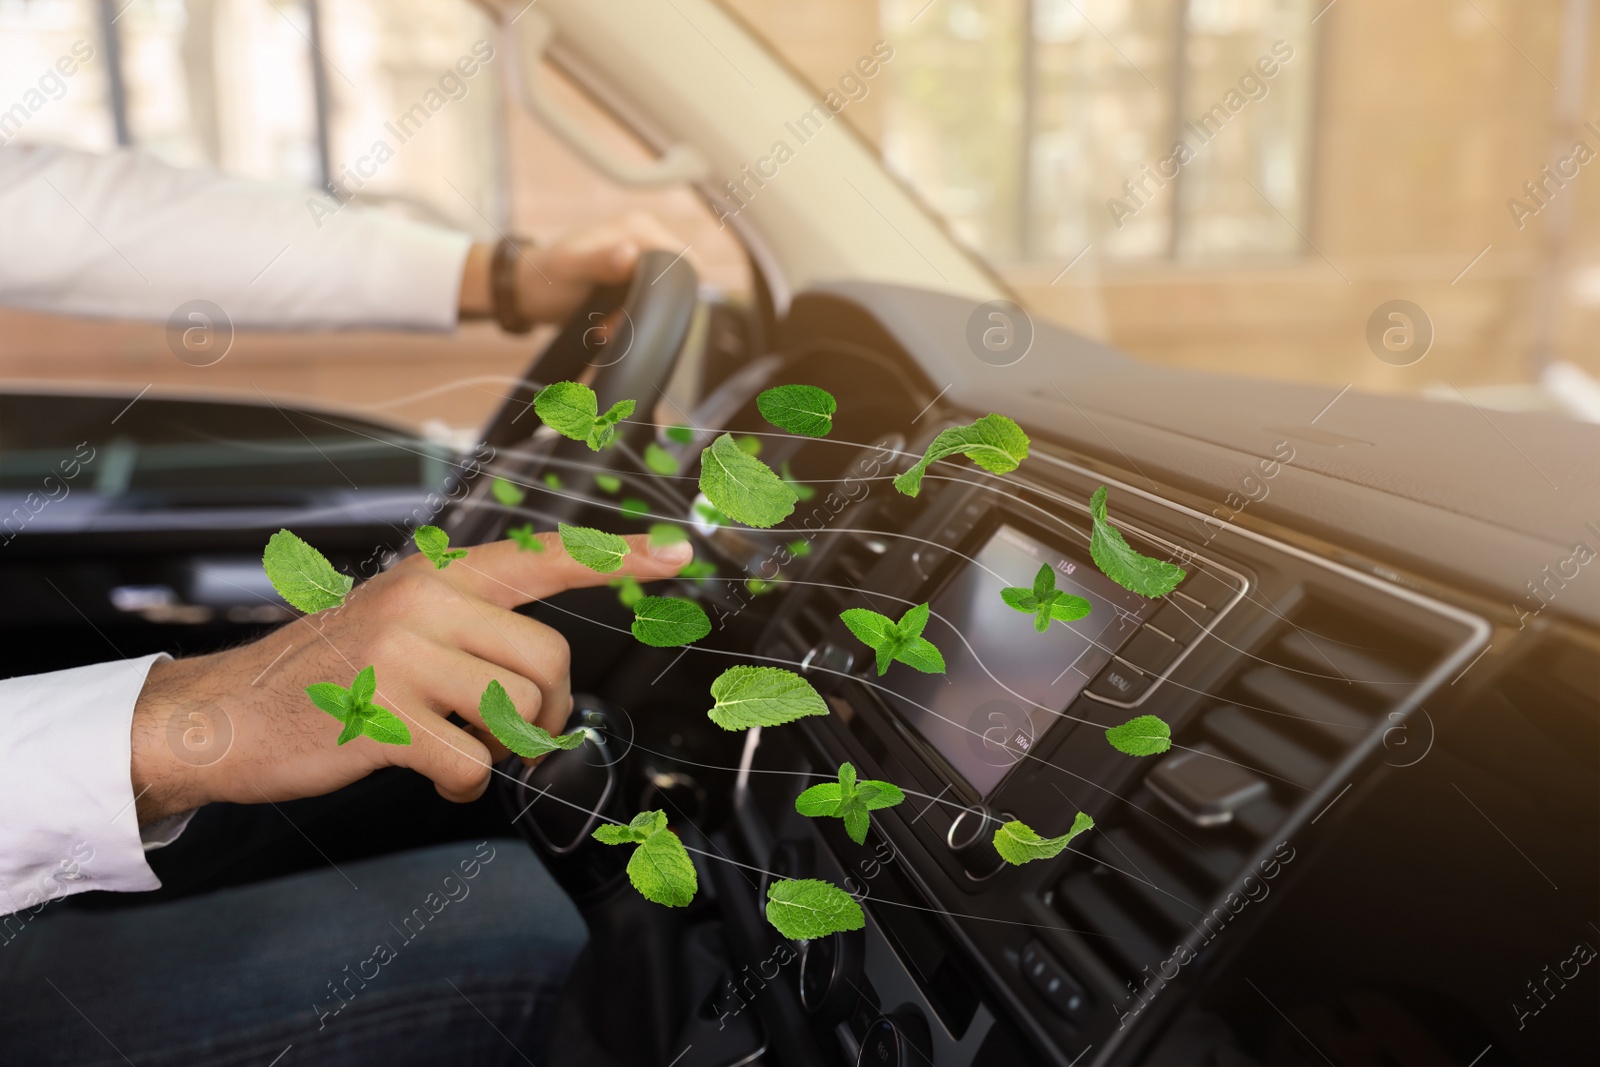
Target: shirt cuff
[67, 817]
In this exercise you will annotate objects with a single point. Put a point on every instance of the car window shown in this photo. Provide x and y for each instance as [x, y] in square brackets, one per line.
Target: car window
[304, 92]
[1389, 197]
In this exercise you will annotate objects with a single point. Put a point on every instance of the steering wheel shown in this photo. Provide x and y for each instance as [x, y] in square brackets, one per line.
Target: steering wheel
[630, 336]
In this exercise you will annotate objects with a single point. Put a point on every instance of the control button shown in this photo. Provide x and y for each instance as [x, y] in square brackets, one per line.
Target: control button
[1203, 786]
[1208, 588]
[1119, 682]
[1150, 652]
[897, 1040]
[1182, 619]
[1058, 988]
[971, 841]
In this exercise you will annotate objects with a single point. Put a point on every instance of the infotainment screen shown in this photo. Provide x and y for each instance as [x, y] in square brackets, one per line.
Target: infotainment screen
[1005, 683]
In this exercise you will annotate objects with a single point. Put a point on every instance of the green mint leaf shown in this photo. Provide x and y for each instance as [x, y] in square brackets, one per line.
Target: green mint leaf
[994, 443]
[893, 641]
[698, 570]
[1044, 583]
[801, 409]
[525, 537]
[759, 586]
[508, 494]
[1067, 608]
[666, 533]
[750, 446]
[799, 549]
[604, 429]
[680, 435]
[634, 508]
[629, 591]
[435, 544]
[302, 575]
[660, 868]
[351, 731]
[1118, 560]
[920, 654]
[801, 490]
[741, 486]
[1019, 598]
[820, 800]
[608, 483]
[568, 408]
[1018, 844]
[668, 621]
[384, 726]
[849, 800]
[365, 687]
[522, 737]
[762, 696]
[553, 480]
[331, 698]
[659, 459]
[1145, 735]
[803, 909]
[595, 549]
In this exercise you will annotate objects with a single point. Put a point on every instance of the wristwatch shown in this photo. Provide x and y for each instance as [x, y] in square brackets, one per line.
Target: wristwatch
[503, 284]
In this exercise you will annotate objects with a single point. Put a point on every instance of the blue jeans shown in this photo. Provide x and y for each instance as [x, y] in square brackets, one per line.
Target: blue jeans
[453, 953]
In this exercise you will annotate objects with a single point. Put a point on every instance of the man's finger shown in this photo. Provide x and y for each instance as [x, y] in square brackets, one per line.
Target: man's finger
[457, 763]
[524, 647]
[505, 574]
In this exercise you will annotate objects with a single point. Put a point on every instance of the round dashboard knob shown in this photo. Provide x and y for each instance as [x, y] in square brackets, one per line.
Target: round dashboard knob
[830, 973]
[971, 840]
[900, 1039]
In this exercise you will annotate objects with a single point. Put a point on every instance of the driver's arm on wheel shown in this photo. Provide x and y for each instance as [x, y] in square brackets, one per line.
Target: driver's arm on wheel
[84, 779]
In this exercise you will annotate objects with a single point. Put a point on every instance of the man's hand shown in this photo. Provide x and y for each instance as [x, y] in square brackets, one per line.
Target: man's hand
[552, 281]
[436, 638]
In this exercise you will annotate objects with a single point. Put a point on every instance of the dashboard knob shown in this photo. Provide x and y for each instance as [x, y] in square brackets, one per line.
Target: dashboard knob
[830, 973]
[900, 1039]
[971, 841]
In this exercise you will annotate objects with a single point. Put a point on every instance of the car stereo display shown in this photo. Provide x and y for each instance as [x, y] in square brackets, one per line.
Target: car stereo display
[1005, 682]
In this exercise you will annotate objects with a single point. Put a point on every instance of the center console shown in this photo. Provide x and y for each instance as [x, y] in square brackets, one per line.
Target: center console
[1286, 680]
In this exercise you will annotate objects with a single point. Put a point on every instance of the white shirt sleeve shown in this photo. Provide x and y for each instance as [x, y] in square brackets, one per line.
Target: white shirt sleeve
[67, 818]
[126, 236]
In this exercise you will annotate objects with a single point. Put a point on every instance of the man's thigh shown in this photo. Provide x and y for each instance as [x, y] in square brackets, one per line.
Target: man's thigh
[453, 953]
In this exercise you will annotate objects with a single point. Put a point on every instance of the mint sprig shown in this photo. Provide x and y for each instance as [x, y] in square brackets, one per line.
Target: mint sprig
[994, 443]
[896, 641]
[1145, 735]
[354, 708]
[1017, 842]
[1119, 561]
[660, 867]
[514, 732]
[742, 487]
[803, 909]
[302, 575]
[572, 410]
[849, 800]
[1045, 601]
[435, 544]
[762, 696]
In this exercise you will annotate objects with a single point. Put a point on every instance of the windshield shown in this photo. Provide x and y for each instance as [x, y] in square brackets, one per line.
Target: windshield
[1388, 197]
